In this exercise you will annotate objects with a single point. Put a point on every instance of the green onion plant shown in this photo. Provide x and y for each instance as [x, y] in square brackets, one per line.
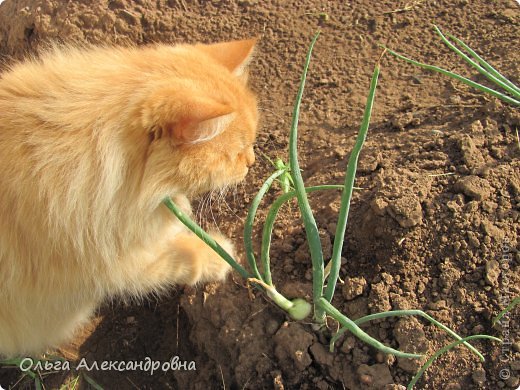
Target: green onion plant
[510, 92]
[324, 283]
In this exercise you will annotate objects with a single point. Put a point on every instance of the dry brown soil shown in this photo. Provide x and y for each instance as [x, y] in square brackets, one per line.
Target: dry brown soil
[434, 228]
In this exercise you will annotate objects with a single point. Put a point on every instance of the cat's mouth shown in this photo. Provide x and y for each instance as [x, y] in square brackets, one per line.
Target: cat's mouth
[242, 177]
[227, 182]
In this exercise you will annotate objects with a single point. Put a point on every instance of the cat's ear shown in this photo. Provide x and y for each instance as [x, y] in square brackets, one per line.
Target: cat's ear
[201, 119]
[187, 120]
[234, 55]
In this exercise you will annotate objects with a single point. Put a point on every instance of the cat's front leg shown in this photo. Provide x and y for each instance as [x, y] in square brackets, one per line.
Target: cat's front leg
[189, 251]
[178, 258]
[214, 268]
[193, 261]
[181, 259]
[182, 203]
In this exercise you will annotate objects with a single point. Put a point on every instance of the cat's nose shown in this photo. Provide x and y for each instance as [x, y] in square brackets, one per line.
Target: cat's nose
[250, 157]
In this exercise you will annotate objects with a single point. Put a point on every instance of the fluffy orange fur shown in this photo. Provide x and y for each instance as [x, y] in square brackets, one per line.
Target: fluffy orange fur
[91, 141]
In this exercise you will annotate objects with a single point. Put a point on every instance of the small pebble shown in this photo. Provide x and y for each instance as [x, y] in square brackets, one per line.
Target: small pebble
[513, 382]
[479, 376]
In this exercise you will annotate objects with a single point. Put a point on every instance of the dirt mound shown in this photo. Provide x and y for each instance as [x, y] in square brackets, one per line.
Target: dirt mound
[434, 226]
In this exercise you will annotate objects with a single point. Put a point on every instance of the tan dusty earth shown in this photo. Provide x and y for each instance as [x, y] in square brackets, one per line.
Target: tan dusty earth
[434, 228]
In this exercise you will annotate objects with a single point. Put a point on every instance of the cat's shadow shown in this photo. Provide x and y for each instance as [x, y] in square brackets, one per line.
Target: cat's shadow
[154, 330]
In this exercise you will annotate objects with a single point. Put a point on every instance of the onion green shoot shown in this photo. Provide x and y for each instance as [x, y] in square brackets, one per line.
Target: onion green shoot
[92, 382]
[72, 384]
[346, 196]
[443, 350]
[504, 312]
[311, 229]
[478, 63]
[489, 72]
[27, 371]
[285, 180]
[402, 313]
[359, 333]
[269, 225]
[248, 228]
[28, 367]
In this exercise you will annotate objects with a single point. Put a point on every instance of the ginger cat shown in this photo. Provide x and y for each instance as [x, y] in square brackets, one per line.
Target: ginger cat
[91, 141]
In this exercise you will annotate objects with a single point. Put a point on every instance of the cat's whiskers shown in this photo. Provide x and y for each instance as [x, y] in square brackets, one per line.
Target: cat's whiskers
[223, 193]
[235, 190]
[271, 112]
[200, 209]
[222, 198]
[246, 191]
[211, 194]
[197, 212]
[205, 206]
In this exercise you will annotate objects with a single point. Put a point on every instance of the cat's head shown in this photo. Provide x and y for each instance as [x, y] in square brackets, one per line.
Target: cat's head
[200, 117]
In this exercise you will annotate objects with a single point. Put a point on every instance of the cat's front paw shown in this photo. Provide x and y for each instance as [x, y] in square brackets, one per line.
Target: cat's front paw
[183, 203]
[216, 268]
